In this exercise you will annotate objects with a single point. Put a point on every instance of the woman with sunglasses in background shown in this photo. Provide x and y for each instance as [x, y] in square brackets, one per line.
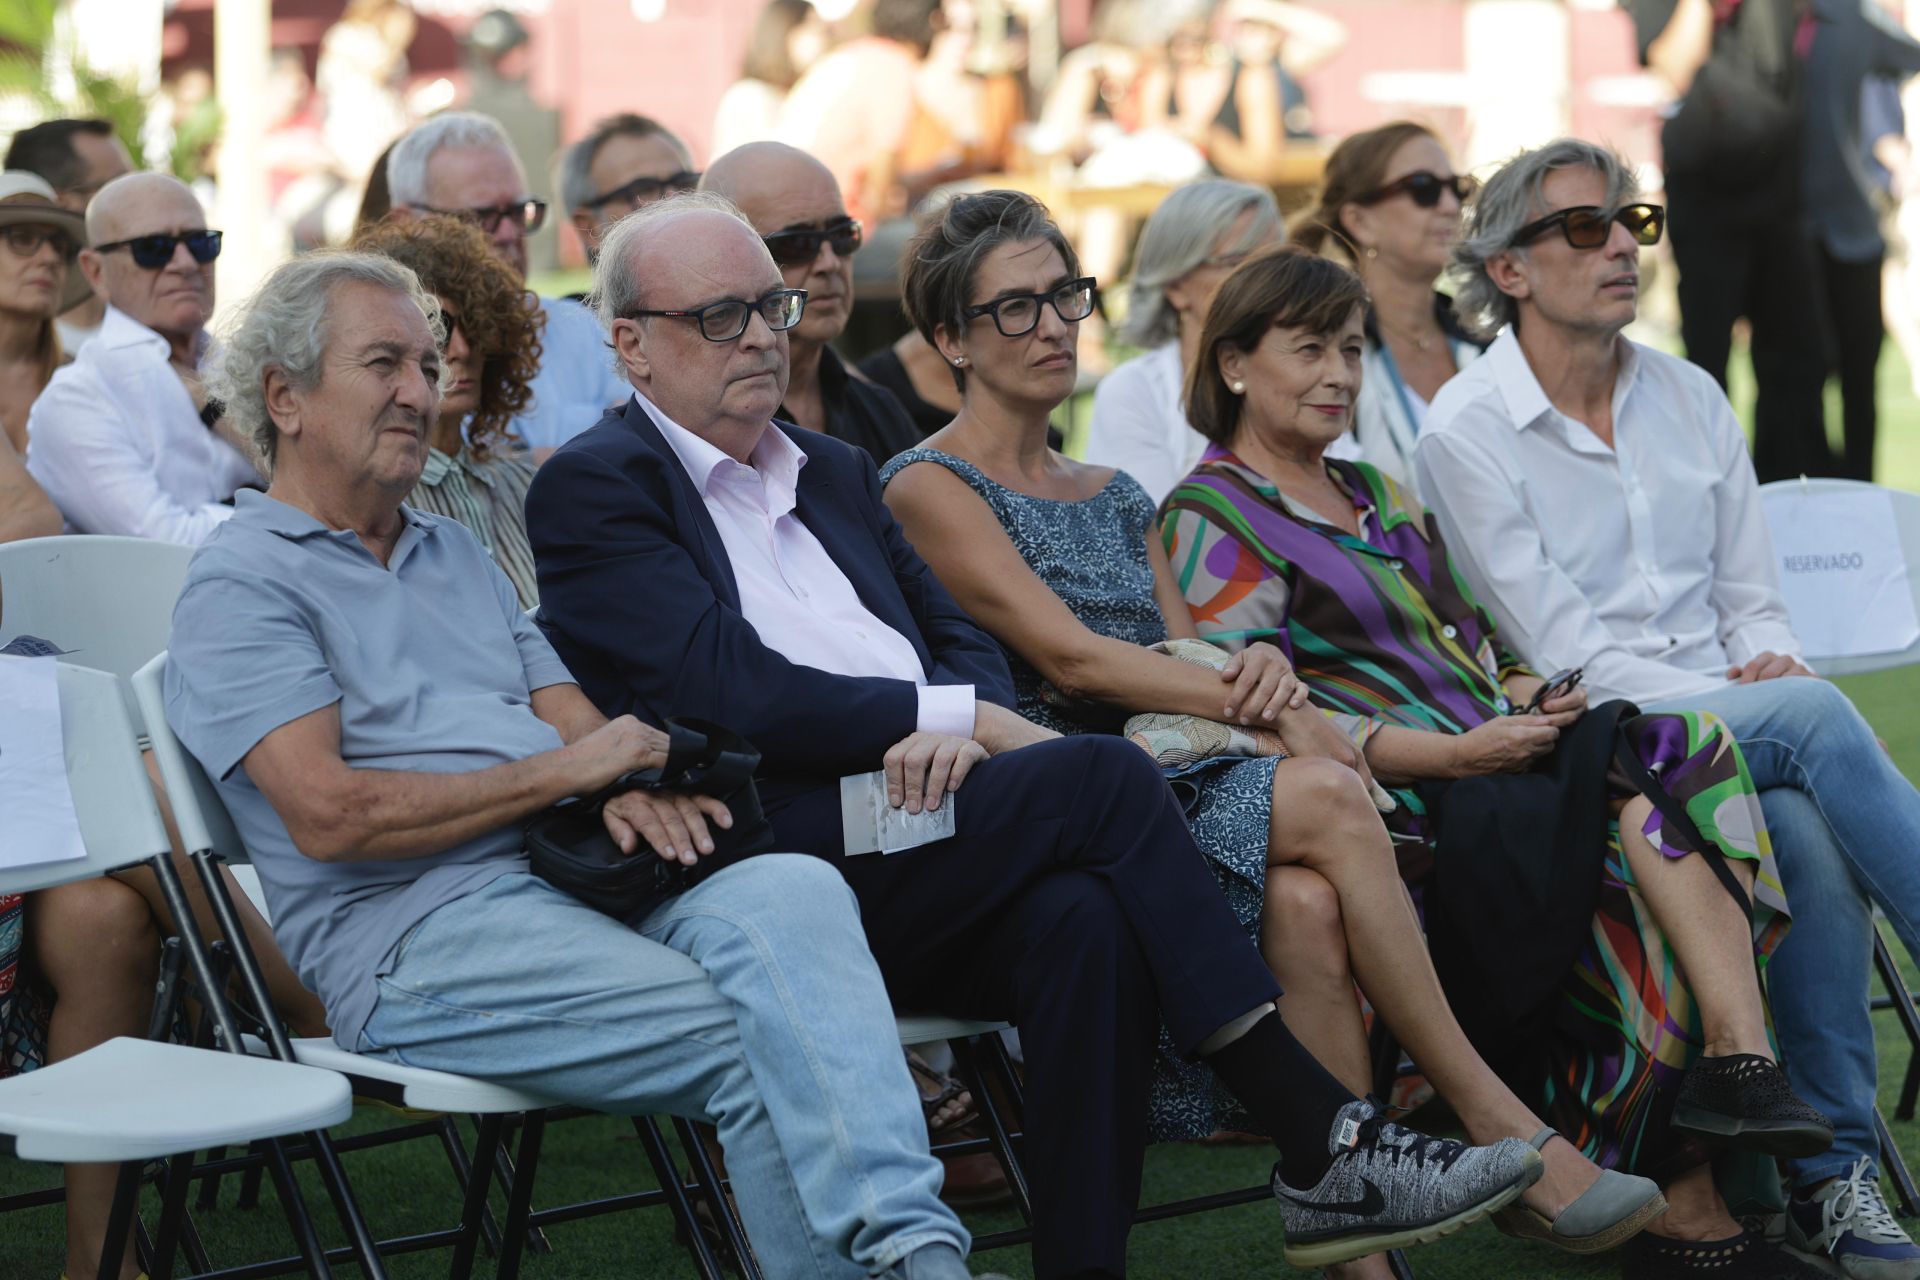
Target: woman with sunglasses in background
[38, 281]
[1060, 561]
[1197, 236]
[490, 353]
[1391, 208]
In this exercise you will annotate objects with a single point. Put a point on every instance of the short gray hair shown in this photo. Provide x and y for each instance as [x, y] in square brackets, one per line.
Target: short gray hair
[573, 176]
[1179, 237]
[616, 287]
[284, 326]
[407, 164]
[1508, 201]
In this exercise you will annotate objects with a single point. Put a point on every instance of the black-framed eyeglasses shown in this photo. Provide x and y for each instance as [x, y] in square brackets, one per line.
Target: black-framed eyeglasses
[25, 241]
[156, 251]
[1587, 226]
[798, 246]
[727, 319]
[1423, 187]
[528, 215]
[645, 190]
[1016, 314]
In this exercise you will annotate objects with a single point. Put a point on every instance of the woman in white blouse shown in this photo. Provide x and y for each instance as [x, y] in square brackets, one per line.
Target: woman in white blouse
[1194, 240]
[1391, 209]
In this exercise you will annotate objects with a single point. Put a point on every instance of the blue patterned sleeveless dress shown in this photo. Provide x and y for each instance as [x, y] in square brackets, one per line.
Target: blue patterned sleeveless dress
[1093, 555]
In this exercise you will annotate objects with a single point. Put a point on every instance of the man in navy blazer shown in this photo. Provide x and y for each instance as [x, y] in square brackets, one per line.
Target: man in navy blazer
[697, 559]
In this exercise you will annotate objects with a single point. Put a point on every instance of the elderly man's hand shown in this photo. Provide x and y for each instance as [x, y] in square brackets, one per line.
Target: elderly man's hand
[619, 746]
[923, 767]
[998, 729]
[673, 824]
[1263, 683]
[1766, 666]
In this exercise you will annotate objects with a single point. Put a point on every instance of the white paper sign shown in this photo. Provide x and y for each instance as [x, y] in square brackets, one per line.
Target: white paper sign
[1842, 571]
[37, 821]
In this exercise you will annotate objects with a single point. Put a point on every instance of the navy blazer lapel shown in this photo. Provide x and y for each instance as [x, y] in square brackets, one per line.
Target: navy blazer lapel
[689, 507]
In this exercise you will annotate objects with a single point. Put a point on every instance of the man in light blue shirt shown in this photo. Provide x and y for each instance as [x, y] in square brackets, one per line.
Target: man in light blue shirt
[381, 720]
[461, 163]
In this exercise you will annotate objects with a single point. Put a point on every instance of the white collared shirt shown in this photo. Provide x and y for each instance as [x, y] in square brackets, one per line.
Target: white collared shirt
[117, 444]
[1140, 422]
[1649, 564]
[795, 596]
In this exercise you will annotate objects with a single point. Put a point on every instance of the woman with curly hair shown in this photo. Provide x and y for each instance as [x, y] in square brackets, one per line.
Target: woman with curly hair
[475, 472]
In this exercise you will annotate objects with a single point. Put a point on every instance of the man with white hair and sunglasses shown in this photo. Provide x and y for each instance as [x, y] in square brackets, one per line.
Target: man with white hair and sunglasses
[1600, 497]
[461, 163]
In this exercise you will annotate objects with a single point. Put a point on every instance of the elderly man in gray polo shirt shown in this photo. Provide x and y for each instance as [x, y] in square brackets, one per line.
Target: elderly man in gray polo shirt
[381, 719]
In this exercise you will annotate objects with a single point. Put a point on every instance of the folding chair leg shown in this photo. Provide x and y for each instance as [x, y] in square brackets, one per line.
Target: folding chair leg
[1906, 1198]
[520, 1196]
[474, 1203]
[678, 1205]
[209, 1197]
[463, 1167]
[1909, 1088]
[967, 1059]
[1398, 1264]
[294, 1207]
[503, 1170]
[709, 1180]
[173, 1208]
[126, 1196]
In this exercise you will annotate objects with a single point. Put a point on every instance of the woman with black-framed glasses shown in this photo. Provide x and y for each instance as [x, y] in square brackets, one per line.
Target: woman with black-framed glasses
[1390, 209]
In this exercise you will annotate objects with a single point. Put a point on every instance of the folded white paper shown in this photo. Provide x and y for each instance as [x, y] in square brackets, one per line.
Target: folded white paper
[868, 822]
[1842, 572]
[37, 821]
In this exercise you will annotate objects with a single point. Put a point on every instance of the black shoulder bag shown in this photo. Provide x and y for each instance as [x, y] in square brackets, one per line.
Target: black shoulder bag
[1740, 118]
[568, 845]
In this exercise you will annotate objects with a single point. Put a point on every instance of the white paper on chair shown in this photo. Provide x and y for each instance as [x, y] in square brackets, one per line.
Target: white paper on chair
[1842, 571]
[37, 821]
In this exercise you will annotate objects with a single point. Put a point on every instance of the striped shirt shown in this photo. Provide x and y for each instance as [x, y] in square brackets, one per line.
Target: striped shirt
[490, 498]
[1382, 628]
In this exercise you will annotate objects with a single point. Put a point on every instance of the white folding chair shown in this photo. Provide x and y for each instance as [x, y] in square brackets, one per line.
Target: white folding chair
[207, 831]
[107, 601]
[1778, 499]
[81, 1109]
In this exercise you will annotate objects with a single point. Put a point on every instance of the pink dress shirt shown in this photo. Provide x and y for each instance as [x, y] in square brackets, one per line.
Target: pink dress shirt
[792, 592]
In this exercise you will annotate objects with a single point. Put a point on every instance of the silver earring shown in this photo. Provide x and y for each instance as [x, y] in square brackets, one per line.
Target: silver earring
[1237, 387]
[958, 361]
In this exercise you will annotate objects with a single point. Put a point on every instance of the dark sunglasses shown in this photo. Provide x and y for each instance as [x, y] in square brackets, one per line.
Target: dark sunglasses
[1017, 314]
[645, 190]
[1424, 188]
[26, 241]
[1587, 226]
[726, 320]
[528, 215]
[154, 252]
[798, 246]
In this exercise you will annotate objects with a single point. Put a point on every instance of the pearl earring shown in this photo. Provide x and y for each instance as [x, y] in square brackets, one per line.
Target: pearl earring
[1371, 252]
[958, 361]
[1237, 387]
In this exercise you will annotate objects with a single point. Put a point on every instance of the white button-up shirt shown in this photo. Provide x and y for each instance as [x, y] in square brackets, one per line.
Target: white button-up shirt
[792, 592]
[1648, 563]
[117, 444]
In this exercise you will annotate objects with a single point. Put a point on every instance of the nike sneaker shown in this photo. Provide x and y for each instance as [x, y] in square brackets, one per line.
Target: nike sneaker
[1390, 1188]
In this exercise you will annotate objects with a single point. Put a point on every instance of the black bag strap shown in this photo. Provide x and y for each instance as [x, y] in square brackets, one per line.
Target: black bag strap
[702, 757]
[1671, 811]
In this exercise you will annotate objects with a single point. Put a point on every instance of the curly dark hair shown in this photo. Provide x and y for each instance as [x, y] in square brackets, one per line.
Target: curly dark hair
[502, 321]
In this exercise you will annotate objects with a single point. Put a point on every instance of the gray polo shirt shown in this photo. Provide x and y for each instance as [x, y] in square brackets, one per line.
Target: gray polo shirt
[433, 667]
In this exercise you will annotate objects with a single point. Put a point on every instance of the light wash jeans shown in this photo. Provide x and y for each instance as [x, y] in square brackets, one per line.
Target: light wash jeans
[1845, 825]
[750, 1000]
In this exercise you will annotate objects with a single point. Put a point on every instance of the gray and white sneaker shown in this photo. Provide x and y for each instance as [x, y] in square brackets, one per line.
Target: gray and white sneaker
[1389, 1188]
[1846, 1228]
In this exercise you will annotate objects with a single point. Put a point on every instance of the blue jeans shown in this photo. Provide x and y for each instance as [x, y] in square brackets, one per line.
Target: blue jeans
[750, 1000]
[1845, 825]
